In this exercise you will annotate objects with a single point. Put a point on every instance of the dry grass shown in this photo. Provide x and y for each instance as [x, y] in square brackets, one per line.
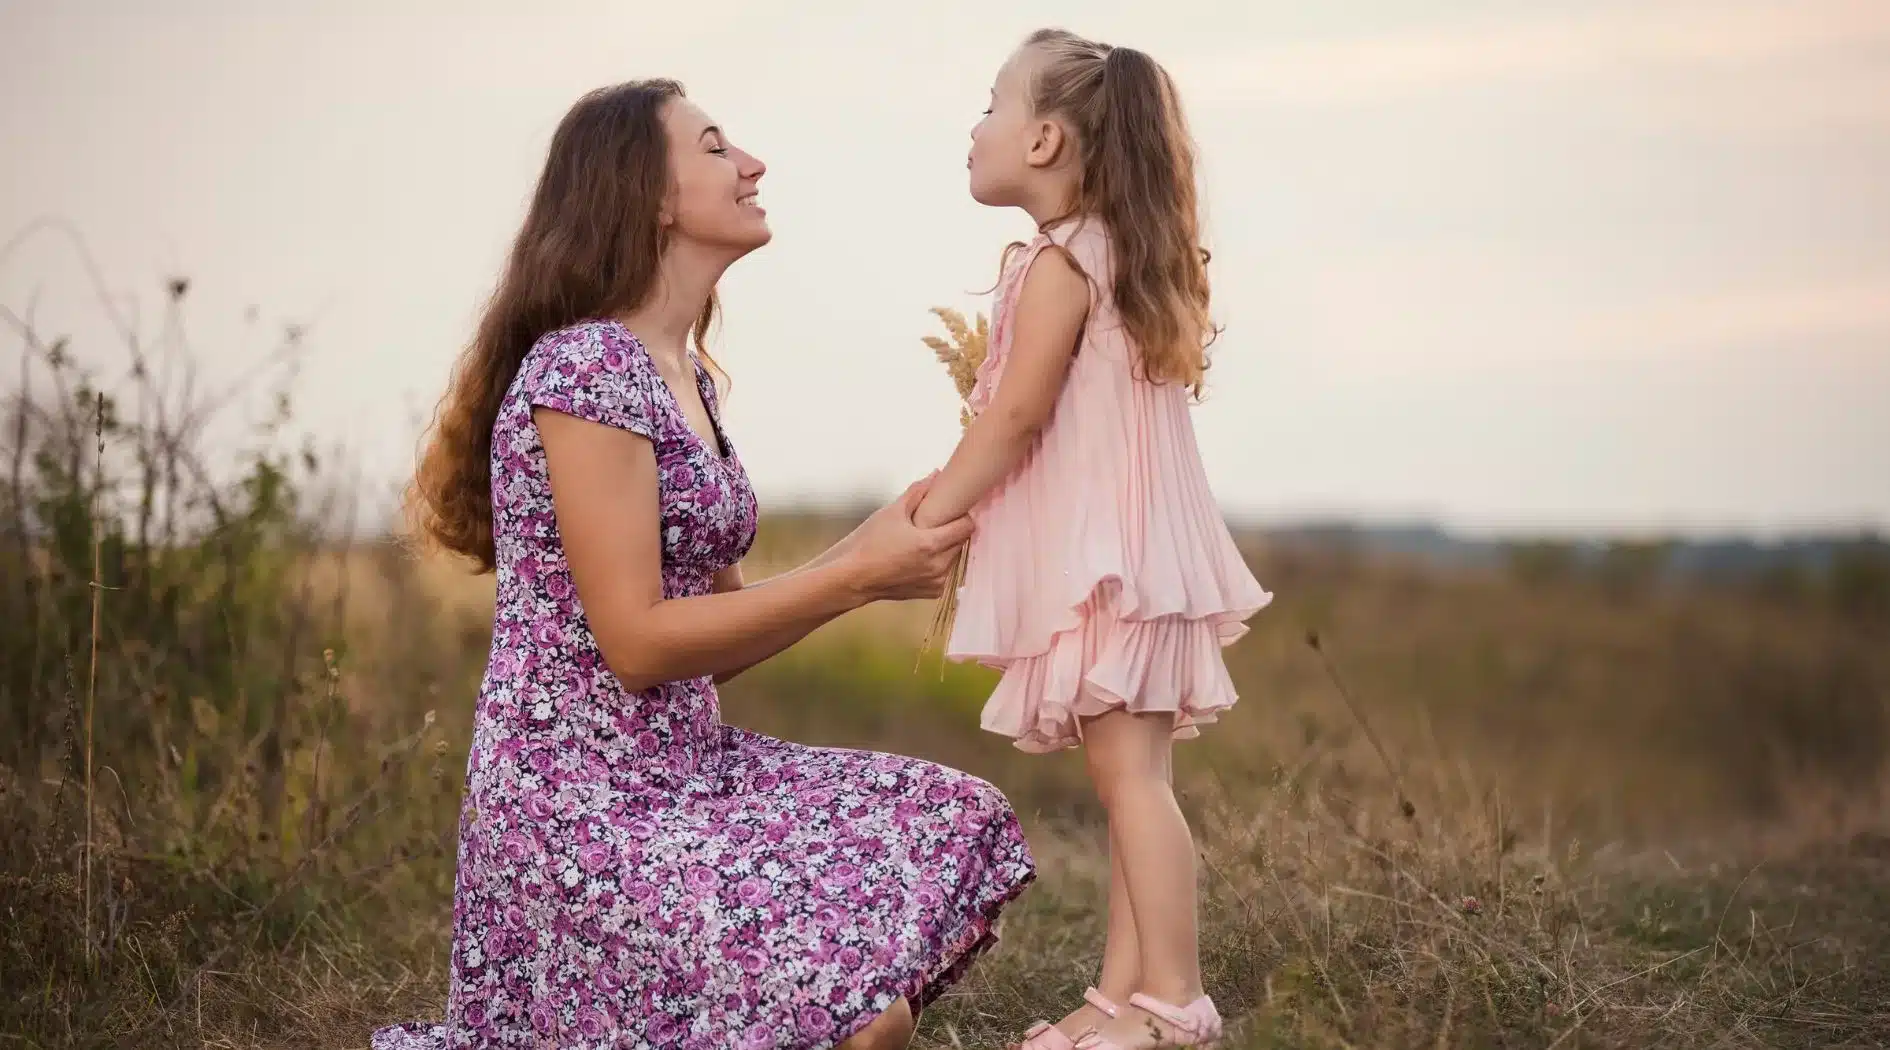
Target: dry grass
[1605, 815]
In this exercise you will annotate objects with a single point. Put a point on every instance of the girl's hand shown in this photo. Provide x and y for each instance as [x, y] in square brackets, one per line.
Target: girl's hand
[889, 558]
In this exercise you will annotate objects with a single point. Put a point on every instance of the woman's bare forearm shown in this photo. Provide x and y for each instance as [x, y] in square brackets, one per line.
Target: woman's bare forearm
[722, 634]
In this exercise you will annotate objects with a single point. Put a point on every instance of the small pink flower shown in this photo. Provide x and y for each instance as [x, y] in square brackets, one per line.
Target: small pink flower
[538, 806]
[592, 1023]
[543, 1017]
[752, 892]
[594, 857]
[642, 893]
[608, 979]
[701, 880]
[814, 1021]
[1471, 906]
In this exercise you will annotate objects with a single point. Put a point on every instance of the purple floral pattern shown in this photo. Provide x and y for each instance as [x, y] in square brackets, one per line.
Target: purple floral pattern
[635, 873]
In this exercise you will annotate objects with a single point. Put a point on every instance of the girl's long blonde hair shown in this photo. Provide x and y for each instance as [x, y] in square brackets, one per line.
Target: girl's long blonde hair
[1138, 178]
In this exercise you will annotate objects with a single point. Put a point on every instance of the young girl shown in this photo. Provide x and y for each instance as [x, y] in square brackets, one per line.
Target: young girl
[1102, 579]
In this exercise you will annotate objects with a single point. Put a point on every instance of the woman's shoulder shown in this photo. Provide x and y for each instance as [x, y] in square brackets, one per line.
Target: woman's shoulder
[593, 369]
[589, 339]
[585, 351]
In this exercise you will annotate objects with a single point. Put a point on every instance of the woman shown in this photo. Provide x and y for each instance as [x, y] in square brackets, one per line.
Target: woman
[632, 872]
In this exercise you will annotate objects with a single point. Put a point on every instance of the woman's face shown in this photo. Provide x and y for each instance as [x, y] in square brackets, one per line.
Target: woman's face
[713, 184]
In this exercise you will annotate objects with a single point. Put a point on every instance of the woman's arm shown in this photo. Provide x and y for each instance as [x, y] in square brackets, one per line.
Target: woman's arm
[1051, 308]
[605, 499]
[729, 579]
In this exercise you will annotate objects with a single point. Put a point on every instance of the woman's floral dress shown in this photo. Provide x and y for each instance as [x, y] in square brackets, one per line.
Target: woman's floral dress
[635, 873]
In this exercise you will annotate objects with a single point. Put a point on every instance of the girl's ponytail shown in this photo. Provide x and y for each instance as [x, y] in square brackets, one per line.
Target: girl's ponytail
[1138, 177]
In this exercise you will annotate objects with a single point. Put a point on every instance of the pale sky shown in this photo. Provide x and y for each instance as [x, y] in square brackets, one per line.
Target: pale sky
[1503, 265]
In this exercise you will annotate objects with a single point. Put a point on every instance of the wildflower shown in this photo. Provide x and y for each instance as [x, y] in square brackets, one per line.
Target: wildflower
[1471, 906]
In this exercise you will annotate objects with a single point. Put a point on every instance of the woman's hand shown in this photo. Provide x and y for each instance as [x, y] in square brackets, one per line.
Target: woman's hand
[888, 558]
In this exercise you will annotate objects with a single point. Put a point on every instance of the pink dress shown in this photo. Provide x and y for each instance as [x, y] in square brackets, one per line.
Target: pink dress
[1102, 575]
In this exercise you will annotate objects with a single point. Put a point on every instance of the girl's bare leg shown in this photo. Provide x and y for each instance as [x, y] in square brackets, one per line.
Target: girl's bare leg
[1122, 953]
[1129, 761]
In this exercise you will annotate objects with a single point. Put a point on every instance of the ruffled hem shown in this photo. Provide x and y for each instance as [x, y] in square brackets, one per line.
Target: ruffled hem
[1103, 661]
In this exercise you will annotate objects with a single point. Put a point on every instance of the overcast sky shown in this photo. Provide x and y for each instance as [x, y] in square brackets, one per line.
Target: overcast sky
[1505, 265]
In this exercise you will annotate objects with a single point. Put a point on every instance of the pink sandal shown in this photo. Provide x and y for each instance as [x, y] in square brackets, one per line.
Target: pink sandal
[1045, 1036]
[1197, 1024]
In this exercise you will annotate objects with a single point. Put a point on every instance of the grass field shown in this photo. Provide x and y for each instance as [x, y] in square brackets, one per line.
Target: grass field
[1610, 810]
[1643, 820]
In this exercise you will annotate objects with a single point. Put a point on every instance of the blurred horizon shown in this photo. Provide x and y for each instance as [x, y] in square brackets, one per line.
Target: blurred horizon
[1570, 269]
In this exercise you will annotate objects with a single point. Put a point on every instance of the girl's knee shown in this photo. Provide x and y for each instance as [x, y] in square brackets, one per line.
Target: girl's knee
[1116, 770]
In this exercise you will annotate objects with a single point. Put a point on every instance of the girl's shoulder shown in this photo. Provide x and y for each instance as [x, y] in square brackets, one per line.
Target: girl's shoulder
[1085, 240]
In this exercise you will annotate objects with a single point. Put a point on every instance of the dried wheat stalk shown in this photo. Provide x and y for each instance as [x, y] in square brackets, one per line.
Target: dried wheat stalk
[961, 356]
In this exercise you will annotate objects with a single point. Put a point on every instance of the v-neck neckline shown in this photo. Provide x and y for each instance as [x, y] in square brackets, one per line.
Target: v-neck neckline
[723, 451]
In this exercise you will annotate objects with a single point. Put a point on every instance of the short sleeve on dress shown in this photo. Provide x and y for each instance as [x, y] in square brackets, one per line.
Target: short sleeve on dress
[597, 372]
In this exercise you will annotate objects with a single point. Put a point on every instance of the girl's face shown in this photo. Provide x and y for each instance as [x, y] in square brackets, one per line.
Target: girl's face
[713, 185]
[1008, 145]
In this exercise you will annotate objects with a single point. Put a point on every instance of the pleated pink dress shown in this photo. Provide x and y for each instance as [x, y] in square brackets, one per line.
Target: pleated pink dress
[1102, 574]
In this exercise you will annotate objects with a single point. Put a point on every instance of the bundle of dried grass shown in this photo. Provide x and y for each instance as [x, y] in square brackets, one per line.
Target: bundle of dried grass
[961, 355]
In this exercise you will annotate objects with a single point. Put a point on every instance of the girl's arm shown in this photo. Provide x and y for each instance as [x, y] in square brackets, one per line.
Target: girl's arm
[605, 499]
[1051, 308]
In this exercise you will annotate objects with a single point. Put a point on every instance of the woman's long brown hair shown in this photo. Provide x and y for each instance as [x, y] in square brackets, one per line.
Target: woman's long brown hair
[1138, 178]
[589, 248]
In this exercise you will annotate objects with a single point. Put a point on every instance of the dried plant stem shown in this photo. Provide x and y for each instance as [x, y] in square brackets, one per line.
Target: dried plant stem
[962, 356]
[1397, 783]
[91, 678]
[944, 611]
